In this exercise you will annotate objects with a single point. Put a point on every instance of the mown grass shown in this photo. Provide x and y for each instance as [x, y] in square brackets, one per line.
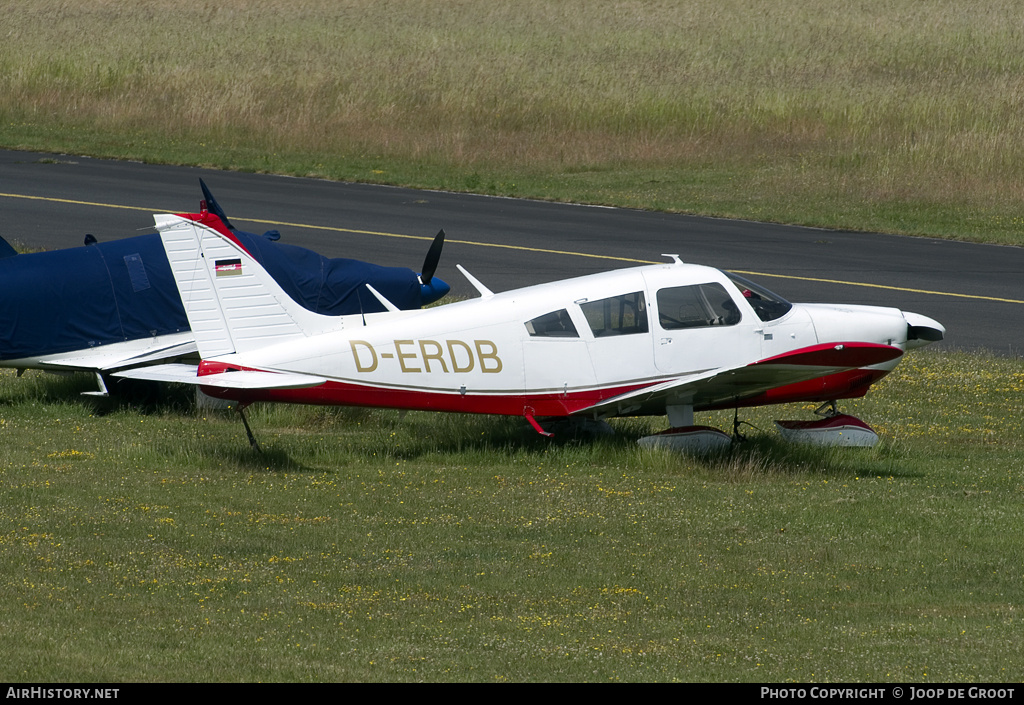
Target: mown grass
[902, 116]
[364, 546]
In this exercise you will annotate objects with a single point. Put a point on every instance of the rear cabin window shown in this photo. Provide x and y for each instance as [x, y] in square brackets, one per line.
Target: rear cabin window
[696, 306]
[618, 315]
[556, 324]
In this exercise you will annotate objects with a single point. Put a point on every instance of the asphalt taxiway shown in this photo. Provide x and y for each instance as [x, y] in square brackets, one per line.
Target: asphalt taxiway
[977, 291]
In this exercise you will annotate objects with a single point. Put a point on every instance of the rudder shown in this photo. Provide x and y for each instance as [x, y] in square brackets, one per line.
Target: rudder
[233, 304]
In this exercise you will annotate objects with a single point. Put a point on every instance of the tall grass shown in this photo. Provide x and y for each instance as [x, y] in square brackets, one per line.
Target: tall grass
[903, 115]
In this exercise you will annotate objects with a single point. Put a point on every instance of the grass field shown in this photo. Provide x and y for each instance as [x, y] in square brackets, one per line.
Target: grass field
[900, 116]
[157, 546]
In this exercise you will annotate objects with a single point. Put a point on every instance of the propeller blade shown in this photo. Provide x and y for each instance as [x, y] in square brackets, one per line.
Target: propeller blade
[214, 207]
[432, 258]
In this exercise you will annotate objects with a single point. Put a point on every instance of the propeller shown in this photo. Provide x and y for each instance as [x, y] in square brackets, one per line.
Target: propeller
[431, 289]
[214, 207]
[432, 258]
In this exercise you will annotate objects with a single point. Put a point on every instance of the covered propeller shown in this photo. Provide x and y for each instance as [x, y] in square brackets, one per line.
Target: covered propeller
[213, 207]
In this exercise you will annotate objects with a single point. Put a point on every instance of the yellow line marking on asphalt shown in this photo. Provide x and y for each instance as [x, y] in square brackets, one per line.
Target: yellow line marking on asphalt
[525, 249]
[882, 286]
[78, 203]
[459, 242]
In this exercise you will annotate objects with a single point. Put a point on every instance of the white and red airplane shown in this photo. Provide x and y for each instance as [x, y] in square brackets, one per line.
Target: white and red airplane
[660, 339]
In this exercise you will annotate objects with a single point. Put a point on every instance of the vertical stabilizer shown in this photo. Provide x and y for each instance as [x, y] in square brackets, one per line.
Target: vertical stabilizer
[233, 304]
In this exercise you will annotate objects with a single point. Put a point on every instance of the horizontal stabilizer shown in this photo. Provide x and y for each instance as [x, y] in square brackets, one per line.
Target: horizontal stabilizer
[113, 357]
[238, 379]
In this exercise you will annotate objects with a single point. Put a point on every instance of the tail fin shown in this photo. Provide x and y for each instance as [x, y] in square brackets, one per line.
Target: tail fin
[233, 304]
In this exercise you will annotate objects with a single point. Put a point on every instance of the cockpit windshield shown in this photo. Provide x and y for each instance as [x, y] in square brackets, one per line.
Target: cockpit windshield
[766, 305]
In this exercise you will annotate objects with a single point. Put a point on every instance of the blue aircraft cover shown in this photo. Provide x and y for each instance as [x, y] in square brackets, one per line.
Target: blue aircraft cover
[56, 302]
[6, 250]
[333, 287]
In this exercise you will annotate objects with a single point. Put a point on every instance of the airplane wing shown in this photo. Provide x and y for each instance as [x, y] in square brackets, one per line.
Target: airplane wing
[237, 379]
[724, 386]
[113, 357]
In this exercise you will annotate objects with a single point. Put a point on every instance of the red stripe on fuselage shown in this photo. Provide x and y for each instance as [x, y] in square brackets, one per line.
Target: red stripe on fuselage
[849, 384]
[836, 355]
[841, 385]
[345, 394]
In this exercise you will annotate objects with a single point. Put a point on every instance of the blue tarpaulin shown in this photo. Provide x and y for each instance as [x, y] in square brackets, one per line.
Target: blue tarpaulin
[56, 302]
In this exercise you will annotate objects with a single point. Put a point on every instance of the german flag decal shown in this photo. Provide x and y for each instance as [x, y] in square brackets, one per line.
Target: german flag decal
[227, 267]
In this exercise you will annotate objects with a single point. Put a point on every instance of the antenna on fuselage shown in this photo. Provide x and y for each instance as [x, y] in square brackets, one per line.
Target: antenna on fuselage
[383, 299]
[484, 291]
[675, 258]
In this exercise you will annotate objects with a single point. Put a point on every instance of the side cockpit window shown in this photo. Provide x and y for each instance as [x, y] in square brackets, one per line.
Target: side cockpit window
[767, 305]
[556, 324]
[618, 315]
[696, 306]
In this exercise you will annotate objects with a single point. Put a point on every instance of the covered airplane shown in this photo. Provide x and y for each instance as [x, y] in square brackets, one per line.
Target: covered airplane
[663, 339]
[114, 305]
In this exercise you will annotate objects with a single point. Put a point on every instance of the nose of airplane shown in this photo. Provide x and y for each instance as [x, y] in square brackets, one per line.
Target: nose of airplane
[922, 330]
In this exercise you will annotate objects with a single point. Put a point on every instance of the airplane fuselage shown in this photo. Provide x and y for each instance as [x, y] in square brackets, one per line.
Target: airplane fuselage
[556, 349]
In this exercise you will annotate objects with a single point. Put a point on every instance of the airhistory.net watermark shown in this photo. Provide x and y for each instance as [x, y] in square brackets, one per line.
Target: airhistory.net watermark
[40, 693]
